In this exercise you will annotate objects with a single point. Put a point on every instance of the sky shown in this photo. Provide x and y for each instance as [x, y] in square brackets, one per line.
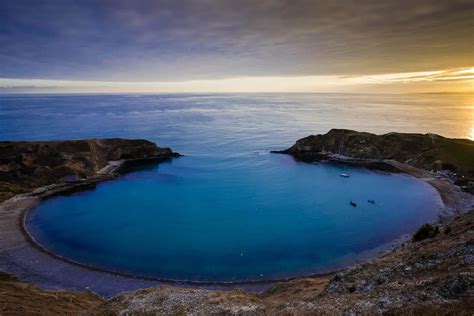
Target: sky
[236, 46]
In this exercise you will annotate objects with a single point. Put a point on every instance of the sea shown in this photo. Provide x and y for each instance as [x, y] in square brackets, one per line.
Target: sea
[228, 210]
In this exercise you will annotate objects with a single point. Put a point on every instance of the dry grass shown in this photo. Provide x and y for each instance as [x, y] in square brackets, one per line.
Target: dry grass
[21, 298]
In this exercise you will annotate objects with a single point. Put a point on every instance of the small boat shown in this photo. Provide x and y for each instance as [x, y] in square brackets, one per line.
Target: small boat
[371, 201]
[344, 175]
[353, 204]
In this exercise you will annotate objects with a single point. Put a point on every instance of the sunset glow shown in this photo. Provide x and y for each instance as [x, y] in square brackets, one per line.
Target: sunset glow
[458, 80]
[272, 46]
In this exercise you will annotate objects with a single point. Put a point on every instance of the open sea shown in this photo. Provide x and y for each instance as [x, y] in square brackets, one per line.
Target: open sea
[229, 210]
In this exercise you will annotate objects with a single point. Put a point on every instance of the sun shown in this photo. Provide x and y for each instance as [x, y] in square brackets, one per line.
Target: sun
[471, 133]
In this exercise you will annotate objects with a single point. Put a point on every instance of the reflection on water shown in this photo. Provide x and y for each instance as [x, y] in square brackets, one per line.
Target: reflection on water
[276, 119]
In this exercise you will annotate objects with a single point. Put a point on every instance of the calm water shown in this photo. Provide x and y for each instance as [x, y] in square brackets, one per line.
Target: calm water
[229, 210]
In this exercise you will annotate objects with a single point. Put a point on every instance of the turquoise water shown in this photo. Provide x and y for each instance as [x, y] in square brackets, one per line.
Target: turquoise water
[227, 210]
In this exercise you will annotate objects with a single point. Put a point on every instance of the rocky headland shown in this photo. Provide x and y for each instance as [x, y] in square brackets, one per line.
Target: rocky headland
[26, 166]
[431, 274]
[446, 157]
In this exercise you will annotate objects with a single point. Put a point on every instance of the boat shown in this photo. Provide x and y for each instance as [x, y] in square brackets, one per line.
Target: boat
[344, 175]
[371, 201]
[353, 204]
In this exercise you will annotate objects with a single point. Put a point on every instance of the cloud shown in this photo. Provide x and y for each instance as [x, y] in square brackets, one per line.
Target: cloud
[463, 74]
[194, 40]
[395, 82]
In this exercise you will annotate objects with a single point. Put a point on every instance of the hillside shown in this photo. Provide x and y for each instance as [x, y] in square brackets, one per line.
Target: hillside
[25, 166]
[423, 151]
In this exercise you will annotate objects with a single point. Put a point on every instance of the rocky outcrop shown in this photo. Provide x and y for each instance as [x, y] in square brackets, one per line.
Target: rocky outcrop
[25, 166]
[425, 151]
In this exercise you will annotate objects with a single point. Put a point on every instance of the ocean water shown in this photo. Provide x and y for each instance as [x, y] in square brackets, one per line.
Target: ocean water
[229, 210]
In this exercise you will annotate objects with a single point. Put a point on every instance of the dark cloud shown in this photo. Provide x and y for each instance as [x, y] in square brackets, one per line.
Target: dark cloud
[176, 40]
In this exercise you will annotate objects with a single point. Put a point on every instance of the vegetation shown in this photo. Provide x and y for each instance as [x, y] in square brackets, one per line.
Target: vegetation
[426, 231]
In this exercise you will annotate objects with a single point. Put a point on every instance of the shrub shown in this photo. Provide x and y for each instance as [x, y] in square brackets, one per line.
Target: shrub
[426, 231]
[448, 166]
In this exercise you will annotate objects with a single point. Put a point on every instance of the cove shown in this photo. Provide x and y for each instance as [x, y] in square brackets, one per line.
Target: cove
[238, 216]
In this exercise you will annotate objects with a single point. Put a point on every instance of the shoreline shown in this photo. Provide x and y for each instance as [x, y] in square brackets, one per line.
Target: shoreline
[453, 198]
[361, 257]
[20, 206]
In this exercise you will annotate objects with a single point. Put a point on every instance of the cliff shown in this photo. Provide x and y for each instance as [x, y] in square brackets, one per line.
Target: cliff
[425, 151]
[25, 165]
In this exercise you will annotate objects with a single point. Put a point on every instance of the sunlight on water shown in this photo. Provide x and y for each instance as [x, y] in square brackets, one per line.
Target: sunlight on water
[287, 116]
